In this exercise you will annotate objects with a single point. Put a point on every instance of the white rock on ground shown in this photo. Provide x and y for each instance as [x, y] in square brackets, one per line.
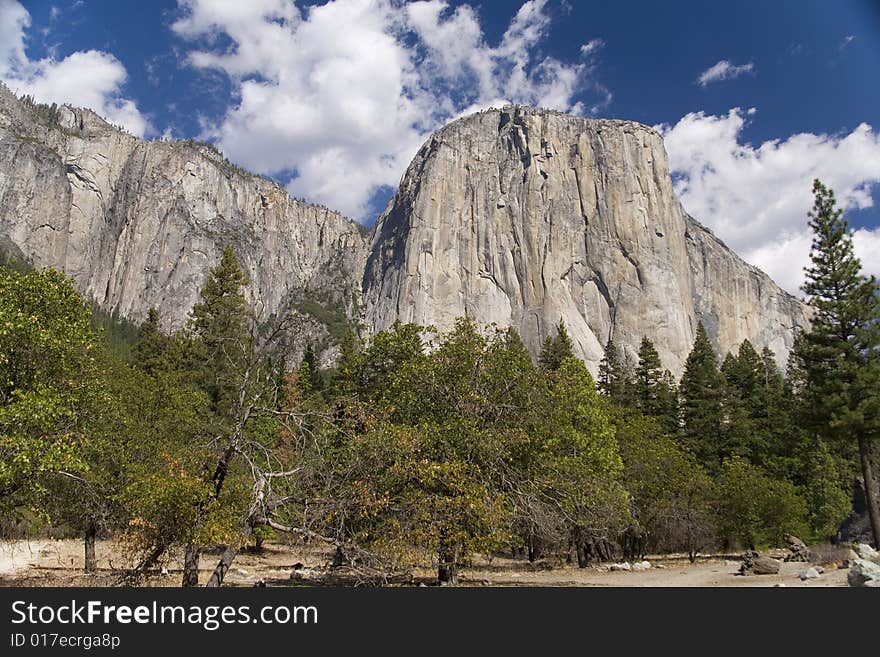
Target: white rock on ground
[810, 573]
[864, 573]
[865, 551]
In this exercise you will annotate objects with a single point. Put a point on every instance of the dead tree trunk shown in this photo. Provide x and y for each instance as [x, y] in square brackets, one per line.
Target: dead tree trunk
[191, 565]
[870, 489]
[91, 562]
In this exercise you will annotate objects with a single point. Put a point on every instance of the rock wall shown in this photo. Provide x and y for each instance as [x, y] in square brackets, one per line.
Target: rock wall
[139, 224]
[516, 216]
[526, 217]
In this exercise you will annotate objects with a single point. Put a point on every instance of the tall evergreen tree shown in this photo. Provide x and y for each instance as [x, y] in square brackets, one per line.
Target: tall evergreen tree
[737, 428]
[614, 379]
[220, 323]
[701, 392]
[840, 354]
[649, 372]
[556, 348]
[155, 351]
[667, 403]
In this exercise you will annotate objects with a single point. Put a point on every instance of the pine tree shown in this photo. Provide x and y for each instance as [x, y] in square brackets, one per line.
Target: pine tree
[311, 369]
[154, 351]
[667, 403]
[220, 323]
[614, 380]
[701, 392]
[840, 354]
[737, 426]
[556, 349]
[649, 372]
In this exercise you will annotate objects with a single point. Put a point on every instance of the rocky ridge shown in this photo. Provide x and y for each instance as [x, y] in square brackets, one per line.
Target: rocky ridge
[516, 216]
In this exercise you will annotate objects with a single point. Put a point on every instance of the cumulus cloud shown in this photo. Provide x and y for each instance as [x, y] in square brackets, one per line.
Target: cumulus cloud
[336, 98]
[90, 78]
[756, 198]
[723, 70]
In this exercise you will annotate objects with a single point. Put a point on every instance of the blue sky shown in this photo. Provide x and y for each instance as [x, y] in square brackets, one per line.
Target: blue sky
[333, 99]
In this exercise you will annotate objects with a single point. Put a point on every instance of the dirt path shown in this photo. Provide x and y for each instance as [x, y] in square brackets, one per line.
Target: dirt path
[59, 563]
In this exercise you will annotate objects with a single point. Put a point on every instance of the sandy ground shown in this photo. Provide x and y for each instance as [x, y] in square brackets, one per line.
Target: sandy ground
[59, 563]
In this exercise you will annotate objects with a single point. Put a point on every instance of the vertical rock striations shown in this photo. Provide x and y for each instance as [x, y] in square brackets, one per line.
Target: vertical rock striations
[526, 217]
[139, 224]
[516, 216]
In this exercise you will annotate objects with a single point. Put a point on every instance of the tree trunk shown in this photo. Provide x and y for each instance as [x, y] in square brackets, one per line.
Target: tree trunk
[222, 568]
[191, 566]
[533, 550]
[580, 548]
[870, 489]
[447, 566]
[226, 559]
[91, 562]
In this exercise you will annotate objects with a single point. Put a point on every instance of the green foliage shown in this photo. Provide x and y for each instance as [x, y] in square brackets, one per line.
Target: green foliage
[754, 509]
[118, 334]
[839, 354]
[671, 492]
[556, 348]
[48, 376]
[615, 380]
[330, 313]
[654, 391]
[839, 357]
[579, 463]
[701, 398]
[828, 504]
[220, 324]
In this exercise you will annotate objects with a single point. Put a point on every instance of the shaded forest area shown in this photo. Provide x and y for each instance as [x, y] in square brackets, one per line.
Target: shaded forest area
[425, 448]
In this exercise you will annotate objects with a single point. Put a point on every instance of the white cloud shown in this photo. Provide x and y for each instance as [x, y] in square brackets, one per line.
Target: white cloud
[756, 198]
[339, 96]
[724, 70]
[592, 46]
[847, 40]
[89, 78]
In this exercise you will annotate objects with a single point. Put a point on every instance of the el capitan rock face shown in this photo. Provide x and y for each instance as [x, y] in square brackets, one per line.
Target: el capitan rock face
[526, 217]
[516, 216]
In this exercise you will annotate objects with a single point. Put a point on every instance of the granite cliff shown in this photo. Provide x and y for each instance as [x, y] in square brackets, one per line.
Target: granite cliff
[516, 216]
[526, 217]
[137, 224]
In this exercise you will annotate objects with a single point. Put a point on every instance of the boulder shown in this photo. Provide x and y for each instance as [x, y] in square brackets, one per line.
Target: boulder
[757, 564]
[798, 550]
[865, 551]
[864, 573]
[621, 566]
[810, 573]
[641, 565]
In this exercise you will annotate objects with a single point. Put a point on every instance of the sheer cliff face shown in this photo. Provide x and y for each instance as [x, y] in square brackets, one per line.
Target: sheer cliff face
[139, 224]
[515, 216]
[525, 217]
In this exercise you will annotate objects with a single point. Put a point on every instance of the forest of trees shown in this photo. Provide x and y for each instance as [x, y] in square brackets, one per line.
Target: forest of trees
[419, 447]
